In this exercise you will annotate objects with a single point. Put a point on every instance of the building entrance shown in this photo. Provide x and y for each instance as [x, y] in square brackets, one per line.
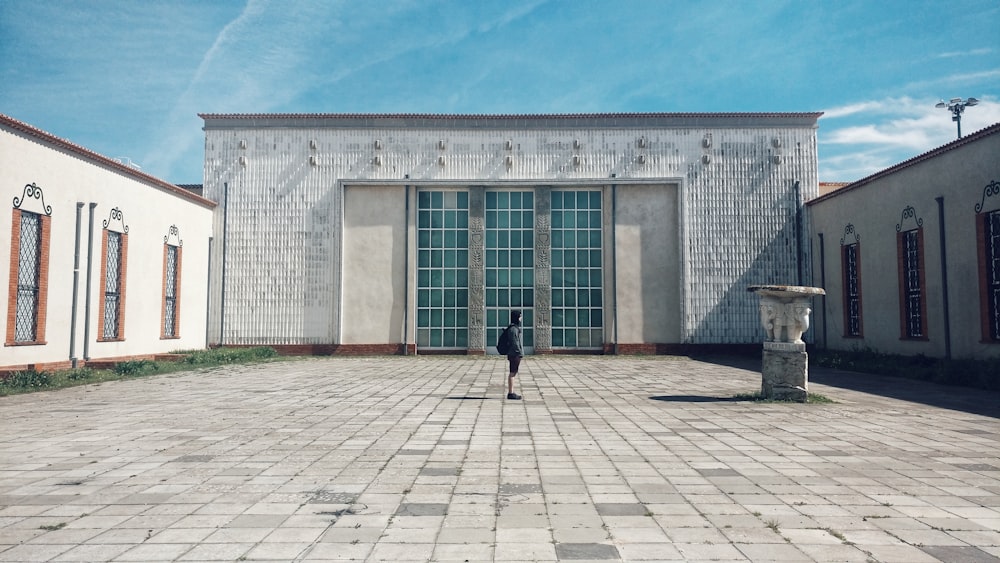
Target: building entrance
[510, 264]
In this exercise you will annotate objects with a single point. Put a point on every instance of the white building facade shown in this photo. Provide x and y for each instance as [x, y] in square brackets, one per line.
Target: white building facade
[104, 262]
[910, 256]
[613, 233]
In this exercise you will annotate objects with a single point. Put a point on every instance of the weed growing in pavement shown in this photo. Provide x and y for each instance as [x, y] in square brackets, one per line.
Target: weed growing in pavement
[773, 524]
[757, 397]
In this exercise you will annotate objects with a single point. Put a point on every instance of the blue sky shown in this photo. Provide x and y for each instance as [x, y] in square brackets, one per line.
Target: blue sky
[127, 78]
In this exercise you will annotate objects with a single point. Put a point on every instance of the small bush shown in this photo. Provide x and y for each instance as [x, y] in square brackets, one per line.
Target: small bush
[229, 355]
[28, 378]
[79, 374]
[135, 367]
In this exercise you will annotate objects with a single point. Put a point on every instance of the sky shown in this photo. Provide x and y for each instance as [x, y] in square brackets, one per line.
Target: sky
[128, 78]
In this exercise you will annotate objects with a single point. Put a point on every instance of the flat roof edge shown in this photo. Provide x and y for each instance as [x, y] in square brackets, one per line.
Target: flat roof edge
[512, 121]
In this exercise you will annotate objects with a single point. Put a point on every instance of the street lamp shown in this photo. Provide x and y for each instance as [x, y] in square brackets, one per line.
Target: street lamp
[956, 106]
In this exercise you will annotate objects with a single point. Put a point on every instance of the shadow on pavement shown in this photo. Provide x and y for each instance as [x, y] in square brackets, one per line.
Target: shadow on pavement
[693, 399]
[966, 399]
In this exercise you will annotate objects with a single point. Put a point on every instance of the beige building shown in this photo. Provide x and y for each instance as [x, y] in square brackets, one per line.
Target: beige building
[104, 262]
[418, 233]
[910, 256]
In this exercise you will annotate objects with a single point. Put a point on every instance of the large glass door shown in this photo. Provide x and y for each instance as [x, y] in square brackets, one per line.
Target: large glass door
[443, 270]
[510, 263]
[577, 302]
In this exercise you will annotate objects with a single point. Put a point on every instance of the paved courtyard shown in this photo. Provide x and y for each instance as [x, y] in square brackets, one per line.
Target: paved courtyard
[421, 459]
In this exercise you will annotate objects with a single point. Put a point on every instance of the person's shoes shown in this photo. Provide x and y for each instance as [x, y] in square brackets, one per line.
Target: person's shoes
[513, 396]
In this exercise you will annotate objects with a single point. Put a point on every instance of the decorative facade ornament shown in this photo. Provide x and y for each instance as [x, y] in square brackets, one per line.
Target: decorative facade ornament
[991, 190]
[850, 234]
[911, 214]
[543, 263]
[173, 237]
[477, 268]
[116, 221]
[32, 200]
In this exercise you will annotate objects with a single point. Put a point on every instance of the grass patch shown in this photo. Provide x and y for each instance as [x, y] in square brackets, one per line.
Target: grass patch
[812, 398]
[980, 374]
[28, 381]
[136, 367]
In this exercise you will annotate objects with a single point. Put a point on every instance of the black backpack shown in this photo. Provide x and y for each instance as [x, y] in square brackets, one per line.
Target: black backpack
[504, 343]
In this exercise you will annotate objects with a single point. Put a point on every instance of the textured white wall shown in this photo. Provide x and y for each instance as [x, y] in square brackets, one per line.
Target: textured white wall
[285, 176]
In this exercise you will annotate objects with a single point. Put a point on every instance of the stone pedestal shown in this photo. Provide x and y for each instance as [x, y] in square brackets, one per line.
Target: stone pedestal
[785, 372]
[784, 313]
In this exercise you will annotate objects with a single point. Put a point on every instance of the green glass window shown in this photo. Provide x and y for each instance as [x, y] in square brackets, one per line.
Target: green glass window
[442, 269]
[577, 313]
[510, 262]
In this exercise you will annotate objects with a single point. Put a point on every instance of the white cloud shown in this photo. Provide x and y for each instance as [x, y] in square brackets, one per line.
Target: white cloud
[859, 139]
[969, 53]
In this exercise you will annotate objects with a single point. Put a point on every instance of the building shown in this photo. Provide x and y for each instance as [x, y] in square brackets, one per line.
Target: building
[105, 262]
[910, 256]
[613, 233]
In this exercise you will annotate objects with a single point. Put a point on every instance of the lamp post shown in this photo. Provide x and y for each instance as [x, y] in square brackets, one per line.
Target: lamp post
[956, 106]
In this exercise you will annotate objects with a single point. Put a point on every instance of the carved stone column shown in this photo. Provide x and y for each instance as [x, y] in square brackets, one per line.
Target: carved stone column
[784, 312]
[477, 270]
[543, 267]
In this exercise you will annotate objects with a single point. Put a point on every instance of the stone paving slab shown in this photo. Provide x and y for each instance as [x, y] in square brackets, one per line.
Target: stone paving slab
[422, 459]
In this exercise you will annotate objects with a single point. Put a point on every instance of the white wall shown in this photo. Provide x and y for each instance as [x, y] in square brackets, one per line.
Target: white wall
[283, 176]
[957, 173]
[374, 250]
[67, 177]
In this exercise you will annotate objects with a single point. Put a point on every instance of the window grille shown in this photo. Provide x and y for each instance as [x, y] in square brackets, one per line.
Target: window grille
[852, 291]
[28, 277]
[992, 247]
[112, 286]
[170, 306]
[911, 280]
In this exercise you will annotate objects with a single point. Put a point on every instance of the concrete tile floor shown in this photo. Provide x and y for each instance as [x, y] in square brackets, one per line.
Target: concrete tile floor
[422, 459]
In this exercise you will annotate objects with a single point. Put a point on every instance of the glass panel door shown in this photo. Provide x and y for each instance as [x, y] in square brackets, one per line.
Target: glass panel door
[510, 263]
[443, 269]
[577, 308]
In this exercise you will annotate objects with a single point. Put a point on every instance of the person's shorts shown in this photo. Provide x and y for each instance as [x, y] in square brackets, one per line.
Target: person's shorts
[514, 362]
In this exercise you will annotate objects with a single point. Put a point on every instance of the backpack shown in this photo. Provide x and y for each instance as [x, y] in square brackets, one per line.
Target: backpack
[504, 343]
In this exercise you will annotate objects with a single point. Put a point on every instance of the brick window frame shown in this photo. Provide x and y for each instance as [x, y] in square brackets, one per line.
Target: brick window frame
[912, 284]
[850, 266]
[988, 253]
[41, 305]
[170, 317]
[122, 232]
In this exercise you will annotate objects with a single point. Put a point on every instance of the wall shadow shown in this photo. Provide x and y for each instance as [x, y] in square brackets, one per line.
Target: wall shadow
[965, 399]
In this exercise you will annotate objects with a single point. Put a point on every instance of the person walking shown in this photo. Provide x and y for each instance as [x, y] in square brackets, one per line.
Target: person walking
[514, 353]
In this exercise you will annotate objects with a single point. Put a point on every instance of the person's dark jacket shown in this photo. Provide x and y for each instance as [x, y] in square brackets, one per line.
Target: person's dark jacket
[516, 346]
